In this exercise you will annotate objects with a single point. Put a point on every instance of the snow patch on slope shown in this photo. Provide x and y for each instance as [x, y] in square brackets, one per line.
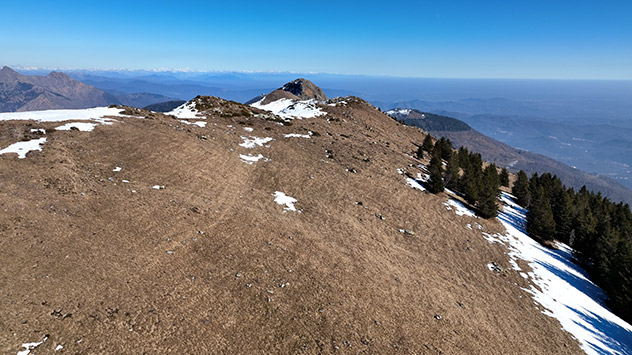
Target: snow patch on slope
[251, 159]
[283, 199]
[297, 135]
[31, 346]
[414, 184]
[459, 208]
[291, 109]
[254, 141]
[22, 148]
[195, 123]
[81, 126]
[186, 110]
[563, 288]
[95, 114]
[398, 111]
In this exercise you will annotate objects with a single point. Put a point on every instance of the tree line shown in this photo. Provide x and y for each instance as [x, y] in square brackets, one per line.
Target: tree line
[599, 230]
[465, 173]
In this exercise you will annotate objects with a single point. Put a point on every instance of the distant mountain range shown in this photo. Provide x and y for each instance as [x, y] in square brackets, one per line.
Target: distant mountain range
[54, 91]
[57, 90]
[461, 134]
[593, 138]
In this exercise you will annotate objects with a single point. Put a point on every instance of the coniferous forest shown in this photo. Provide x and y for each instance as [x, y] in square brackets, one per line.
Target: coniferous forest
[599, 230]
[464, 173]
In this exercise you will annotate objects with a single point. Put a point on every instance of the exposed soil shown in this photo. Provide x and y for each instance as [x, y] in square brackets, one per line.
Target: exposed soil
[211, 264]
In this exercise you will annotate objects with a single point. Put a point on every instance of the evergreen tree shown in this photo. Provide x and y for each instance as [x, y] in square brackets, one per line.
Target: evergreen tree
[446, 148]
[562, 214]
[504, 177]
[435, 182]
[540, 222]
[451, 175]
[420, 152]
[489, 192]
[520, 189]
[427, 145]
[464, 157]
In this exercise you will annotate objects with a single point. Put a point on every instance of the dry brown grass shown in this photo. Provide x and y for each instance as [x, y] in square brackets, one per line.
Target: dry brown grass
[86, 261]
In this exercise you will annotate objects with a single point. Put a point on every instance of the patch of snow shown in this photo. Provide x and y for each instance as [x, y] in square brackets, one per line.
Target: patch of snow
[398, 111]
[563, 288]
[290, 109]
[31, 346]
[414, 184]
[248, 129]
[283, 199]
[195, 123]
[338, 103]
[95, 114]
[59, 347]
[400, 171]
[296, 135]
[254, 141]
[41, 130]
[186, 110]
[81, 126]
[117, 169]
[22, 148]
[459, 208]
[251, 159]
[423, 177]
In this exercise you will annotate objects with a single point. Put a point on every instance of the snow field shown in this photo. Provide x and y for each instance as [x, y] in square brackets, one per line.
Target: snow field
[291, 109]
[95, 115]
[562, 287]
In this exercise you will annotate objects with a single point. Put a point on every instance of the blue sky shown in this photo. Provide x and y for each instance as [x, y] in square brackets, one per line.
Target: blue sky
[451, 39]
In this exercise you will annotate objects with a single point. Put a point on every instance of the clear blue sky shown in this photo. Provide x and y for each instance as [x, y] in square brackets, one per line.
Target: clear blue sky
[452, 39]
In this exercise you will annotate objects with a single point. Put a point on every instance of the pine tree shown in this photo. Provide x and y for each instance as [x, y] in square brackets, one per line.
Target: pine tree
[489, 193]
[540, 222]
[451, 175]
[435, 182]
[520, 189]
[562, 214]
[504, 178]
[427, 145]
[420, 152]
[446, 148]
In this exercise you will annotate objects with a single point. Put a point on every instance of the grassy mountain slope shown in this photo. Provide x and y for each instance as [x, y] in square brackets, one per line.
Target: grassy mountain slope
[211, 264]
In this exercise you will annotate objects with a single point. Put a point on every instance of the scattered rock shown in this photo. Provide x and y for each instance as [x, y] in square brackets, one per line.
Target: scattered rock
[407, 232]
[493, 266]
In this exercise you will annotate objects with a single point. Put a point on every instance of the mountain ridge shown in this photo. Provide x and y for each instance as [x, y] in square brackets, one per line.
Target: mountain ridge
[54, 91]
[512, 158]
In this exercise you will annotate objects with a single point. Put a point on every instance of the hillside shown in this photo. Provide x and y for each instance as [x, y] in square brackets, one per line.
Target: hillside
[502, 154]
[165, 106]
[54, 91]
[224, 228]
